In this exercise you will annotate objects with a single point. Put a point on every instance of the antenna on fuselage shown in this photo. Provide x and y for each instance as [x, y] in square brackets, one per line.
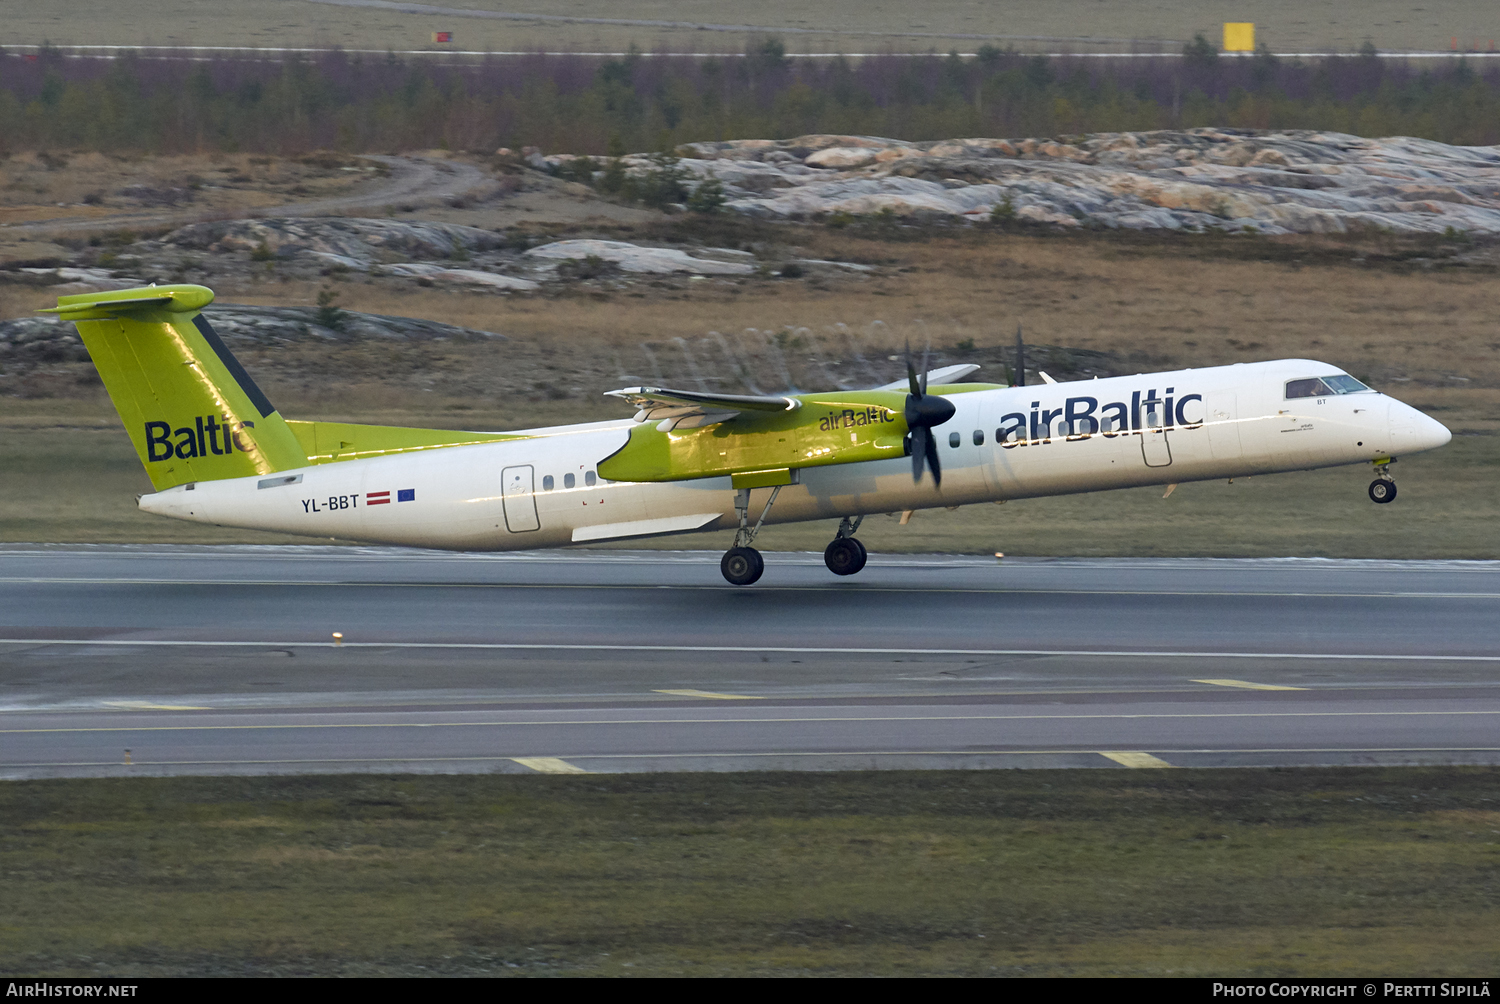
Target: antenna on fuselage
[1020, 359]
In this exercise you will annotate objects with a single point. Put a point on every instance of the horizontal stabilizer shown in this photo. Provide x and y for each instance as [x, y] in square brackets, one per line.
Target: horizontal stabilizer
[946, 374]
[176, 299]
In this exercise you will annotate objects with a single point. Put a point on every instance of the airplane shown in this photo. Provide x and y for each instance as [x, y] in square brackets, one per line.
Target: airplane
[218, 452]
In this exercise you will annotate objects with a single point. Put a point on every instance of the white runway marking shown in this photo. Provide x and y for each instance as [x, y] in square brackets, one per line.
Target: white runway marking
[1247, 685]
[766, 720]
[790, 650]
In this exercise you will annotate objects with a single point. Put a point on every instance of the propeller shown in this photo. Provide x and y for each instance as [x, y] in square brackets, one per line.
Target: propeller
[923, 412]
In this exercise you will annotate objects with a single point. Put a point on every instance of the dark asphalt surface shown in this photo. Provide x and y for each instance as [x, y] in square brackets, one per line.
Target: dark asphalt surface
[222, 660]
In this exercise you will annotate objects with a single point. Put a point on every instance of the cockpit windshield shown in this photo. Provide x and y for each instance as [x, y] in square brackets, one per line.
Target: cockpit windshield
[1328, 386]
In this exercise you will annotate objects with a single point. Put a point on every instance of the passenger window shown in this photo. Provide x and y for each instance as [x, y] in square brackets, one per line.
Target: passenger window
[569, 481]
[954, 439]
[978, 437]
[547, 483]
[590, 478]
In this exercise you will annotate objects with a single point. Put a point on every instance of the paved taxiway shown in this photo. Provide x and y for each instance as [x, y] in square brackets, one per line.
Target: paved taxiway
[222, 660]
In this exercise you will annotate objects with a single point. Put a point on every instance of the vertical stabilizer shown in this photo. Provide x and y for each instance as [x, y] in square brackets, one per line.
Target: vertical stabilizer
[190, 408]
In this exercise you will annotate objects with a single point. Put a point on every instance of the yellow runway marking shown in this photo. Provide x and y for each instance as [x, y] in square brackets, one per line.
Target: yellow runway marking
[548, 765]
[1247, 685]
[1135, 759]
[709, 693]
[143, 706]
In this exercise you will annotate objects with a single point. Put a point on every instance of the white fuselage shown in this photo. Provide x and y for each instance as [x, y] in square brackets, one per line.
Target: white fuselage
[1223, 422]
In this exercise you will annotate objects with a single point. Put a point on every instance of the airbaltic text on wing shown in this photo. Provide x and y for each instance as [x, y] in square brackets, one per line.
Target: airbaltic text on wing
[212, 436]
[850, 418]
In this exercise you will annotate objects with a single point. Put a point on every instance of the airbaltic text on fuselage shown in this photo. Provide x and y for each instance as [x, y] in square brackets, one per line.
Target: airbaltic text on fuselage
[210, 435]
[850, 418]
[1085, 416]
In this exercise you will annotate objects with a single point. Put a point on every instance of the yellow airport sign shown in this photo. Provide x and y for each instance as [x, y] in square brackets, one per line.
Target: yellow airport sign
[1239, 36]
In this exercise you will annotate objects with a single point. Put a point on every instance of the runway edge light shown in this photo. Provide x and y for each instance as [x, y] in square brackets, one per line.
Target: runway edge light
[1239, 36]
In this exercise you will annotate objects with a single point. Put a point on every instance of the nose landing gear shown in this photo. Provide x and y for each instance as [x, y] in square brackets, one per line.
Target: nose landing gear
[1383, 488]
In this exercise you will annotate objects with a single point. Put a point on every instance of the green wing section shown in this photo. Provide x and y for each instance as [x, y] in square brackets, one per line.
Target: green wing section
[191, 410]
[331, 442]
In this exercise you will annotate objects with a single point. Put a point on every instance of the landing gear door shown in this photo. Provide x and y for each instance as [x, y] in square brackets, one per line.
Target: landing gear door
[518, 496]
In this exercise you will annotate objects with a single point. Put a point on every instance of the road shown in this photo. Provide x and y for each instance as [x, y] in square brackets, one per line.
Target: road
[224, 660]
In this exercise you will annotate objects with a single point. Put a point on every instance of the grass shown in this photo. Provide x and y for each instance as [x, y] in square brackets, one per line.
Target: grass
[1318, 872]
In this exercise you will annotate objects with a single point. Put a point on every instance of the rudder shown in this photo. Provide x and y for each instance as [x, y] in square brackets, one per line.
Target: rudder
[191, 410]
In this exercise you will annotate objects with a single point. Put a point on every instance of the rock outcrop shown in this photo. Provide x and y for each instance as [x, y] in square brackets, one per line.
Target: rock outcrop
[658, 261]
[1238, 180]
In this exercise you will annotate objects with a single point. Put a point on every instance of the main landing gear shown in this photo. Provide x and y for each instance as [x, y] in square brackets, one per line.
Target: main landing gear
[1383, 488]
[846, 554]
[742, 564]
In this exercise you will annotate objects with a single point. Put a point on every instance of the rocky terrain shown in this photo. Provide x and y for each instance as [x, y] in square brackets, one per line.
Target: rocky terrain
[427, 253]
[1235, 180]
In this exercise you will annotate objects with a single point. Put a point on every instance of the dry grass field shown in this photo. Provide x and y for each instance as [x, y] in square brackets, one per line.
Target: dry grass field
[1310, 872]
[36, 187]
[1092, 302]
[877, 26]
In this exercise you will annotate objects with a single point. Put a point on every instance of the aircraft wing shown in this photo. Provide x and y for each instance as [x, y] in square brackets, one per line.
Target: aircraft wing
[690, 409]
[945, 374]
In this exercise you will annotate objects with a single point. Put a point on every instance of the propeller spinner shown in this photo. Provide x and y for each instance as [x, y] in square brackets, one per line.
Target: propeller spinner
[924, 411]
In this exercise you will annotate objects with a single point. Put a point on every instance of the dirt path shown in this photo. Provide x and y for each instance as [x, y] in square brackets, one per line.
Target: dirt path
[412, 180]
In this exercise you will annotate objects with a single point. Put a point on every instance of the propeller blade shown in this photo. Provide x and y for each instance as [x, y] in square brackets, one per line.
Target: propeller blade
[919, 436]
[1020, 359]
[932, 459]
[925, 353]
[911, 373]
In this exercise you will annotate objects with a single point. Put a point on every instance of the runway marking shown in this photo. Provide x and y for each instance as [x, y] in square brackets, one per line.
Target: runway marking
[143, 706]
[709, 693]
[1247, 685]
[548, 765]
[788, 649]
[747, 756]
[843, 588]
[813, 719]
[1135, 759]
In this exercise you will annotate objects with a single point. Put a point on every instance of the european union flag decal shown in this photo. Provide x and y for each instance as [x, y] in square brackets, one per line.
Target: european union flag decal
[406, 495]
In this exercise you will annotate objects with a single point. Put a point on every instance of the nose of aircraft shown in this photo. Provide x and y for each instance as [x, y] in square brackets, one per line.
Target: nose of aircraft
[1413, 432]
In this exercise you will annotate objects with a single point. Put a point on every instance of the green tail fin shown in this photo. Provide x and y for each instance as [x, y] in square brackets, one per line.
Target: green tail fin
[190, 408]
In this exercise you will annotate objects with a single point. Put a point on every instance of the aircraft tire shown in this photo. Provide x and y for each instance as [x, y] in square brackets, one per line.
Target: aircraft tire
[742, 565]
[1382, 491]
[845, 555]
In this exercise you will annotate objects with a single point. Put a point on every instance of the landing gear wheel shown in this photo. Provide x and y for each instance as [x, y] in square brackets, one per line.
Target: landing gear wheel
[742, 565]
[845, 556]
[1382, 491]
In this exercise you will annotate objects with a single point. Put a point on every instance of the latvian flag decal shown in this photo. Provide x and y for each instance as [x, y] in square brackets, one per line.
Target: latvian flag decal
[381, 498]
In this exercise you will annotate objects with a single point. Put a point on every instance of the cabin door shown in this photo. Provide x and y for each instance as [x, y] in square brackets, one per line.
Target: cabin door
[519, 499]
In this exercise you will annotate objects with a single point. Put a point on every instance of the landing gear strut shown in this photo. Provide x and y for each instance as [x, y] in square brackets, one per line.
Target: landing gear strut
[1383, 488]
[742, 564]
[846, 554]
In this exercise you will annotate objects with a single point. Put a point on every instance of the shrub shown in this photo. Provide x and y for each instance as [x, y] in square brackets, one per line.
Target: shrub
[708, 197]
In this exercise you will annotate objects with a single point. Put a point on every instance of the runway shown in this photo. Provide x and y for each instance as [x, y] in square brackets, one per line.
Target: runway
[212, 660]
